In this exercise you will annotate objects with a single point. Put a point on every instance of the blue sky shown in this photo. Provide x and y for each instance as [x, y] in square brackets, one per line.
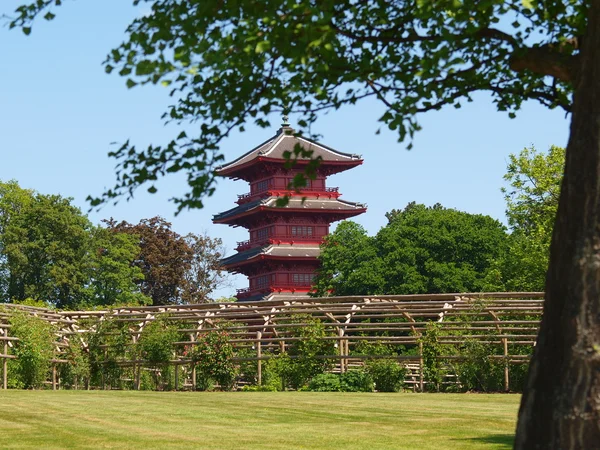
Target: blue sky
[59, 113]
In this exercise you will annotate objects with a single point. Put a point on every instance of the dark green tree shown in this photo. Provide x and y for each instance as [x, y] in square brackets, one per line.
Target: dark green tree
[46, 250]
[349, 263]
[13, 199]
[230, 63]
[421, 250]
[436, 249]
[164, 258]
[113, 278]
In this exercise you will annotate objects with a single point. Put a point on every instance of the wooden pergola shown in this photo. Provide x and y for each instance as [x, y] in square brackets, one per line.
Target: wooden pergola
[509, 320]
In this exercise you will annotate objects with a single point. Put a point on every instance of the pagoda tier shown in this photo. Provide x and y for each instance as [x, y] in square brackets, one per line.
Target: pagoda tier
[267, 158]
[281, 256]
[247, 214]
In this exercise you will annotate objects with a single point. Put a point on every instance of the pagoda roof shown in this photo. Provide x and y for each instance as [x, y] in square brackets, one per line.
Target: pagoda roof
[295, 204]
[285, 141]
[272, 251]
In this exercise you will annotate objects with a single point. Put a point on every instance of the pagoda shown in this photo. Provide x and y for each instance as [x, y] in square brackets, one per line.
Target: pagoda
[281, 256]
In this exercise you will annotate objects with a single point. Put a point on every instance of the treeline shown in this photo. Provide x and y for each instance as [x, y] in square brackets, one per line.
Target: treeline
[435, 249]
[50, 252]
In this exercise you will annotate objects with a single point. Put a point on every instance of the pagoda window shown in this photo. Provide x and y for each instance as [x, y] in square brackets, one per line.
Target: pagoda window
[290, 183]
[261, 282]
[303, 278]
[302, 231]
[262, 234]
[262, 186]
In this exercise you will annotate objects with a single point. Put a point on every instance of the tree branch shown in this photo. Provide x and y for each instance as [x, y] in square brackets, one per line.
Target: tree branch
[549, 59]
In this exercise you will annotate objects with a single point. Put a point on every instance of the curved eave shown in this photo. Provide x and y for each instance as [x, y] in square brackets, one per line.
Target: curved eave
[238, 171]
[260, 258]
[343, 213]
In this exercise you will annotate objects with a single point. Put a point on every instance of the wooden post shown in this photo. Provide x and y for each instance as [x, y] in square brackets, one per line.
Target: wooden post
[138, 375]
[193, 376]
[5, 363]
[506, 372]
[505, 345]
[53, 377]
[421, 365]
[346, 352]
[259, 355]
[176, 376]
[103, 370]
[341, 346]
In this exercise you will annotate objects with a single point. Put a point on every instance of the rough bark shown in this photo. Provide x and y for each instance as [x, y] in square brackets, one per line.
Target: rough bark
[560, 407]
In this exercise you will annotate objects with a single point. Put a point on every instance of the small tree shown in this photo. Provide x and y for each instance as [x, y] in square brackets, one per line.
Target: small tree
[212, 354]
[304, 357]
[34, 349]
[156, 346]
[109, 342]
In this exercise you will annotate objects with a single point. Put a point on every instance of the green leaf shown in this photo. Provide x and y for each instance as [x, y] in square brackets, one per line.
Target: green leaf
[262, 46]
[528, 4]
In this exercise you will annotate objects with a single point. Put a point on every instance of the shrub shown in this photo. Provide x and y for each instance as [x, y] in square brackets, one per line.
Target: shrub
[326, 382]
[477, 371]
[387, 374]
[213, 355]
[248, 370]
[301, 362]
[357, 381]
[156, 346]
[353, 381]
[34, 350]
[108, 343]
[433, 369]
[77, 370]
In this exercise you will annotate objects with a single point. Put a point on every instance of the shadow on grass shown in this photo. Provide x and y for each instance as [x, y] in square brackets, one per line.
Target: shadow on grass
[505, 440]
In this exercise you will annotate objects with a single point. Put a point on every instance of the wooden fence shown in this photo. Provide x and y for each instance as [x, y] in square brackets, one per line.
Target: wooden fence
[506, 321]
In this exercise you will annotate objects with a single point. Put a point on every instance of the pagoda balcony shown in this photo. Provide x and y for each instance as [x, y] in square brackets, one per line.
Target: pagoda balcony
[275, 288]
[330, 192]
[280, 238]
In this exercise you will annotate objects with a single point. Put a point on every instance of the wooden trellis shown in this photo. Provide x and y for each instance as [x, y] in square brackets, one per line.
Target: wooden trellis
[508, 320]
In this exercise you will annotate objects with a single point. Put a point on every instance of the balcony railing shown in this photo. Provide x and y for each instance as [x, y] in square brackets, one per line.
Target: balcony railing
[248, 196]
[276, 287]
[277, 239]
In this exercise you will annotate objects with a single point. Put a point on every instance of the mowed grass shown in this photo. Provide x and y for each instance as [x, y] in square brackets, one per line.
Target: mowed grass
[247, 420]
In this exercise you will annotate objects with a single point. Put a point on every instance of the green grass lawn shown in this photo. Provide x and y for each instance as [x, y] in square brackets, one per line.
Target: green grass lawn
[266, 420]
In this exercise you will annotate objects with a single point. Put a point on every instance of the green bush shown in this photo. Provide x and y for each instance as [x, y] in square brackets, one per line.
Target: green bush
[301, 362]
[352, 381]
[248, 370]
[357, 381]
[433, 369]
[477, 371]
[387, 374]
[34, 350]
[156, 346]
[109, 342]
[76, 371]
[325, 382]
[263, 388]
[212, 354]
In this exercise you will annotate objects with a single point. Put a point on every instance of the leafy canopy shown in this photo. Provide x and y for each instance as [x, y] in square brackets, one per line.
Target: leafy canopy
[421, 250]
[534, 179]
[228, 64]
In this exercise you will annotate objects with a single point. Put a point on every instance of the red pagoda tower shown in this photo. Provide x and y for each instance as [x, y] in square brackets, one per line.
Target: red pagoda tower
[280, 258]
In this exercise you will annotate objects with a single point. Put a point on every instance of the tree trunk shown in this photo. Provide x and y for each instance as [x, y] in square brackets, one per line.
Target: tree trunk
[560, 408]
